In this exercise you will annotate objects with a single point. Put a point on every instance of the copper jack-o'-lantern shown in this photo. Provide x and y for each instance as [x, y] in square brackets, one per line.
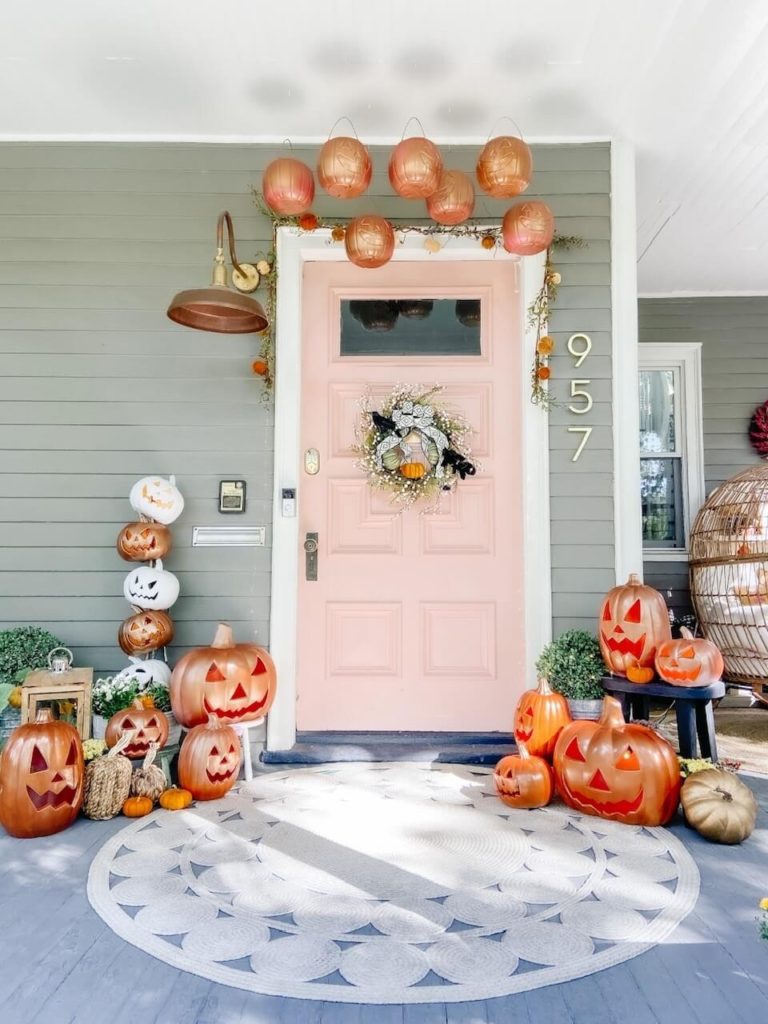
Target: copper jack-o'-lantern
[41, 778]
[504, 167]
[415, 167]
[618, 770]
[539, 717]
[209, 760]
[378, 315]
[369, 241]
[453, 200]
[689, 662]
[522, 780]
[145, 631]
[227, 682]
[633, 623]
[288, 186]
[344, 167]
[146, 725]
[528, 228]
[415, 309]
[144, 542]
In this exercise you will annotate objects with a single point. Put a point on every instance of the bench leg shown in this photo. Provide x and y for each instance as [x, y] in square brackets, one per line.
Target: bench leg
[686, 727]
[705, 727]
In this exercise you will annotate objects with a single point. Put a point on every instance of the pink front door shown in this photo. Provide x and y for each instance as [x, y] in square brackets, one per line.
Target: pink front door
[415, 621]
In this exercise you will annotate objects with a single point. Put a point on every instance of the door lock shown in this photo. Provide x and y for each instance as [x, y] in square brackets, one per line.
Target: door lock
[310, 557]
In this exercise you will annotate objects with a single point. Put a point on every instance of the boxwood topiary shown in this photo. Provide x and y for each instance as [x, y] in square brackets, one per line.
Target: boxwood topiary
[23, 648]
[573, 665]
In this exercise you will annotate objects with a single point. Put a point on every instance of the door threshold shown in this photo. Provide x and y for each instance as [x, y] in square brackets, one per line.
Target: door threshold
[481, 748]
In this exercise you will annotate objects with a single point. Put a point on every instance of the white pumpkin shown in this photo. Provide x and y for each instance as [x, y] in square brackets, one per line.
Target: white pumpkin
[157, 498]
[151, 587]
[148, 672]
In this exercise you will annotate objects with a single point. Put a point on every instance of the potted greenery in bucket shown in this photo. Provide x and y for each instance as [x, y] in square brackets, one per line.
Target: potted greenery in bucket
[22, 649]
[574, 667]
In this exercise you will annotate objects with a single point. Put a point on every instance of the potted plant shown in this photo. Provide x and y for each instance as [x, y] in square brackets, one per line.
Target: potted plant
[574, 667]
[22, 649]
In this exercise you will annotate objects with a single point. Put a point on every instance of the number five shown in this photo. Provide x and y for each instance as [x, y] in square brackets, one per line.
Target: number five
[586, 431]
[577, 392]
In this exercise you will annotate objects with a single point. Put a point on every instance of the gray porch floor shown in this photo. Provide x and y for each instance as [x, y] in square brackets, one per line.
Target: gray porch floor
[60, 964]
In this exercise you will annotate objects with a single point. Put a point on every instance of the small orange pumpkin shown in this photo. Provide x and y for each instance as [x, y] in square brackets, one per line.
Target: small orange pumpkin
[640, 674]
[412, 470]
[539, 717]
[689, 661]
[175, 799]
[137, 806]
[522, 780]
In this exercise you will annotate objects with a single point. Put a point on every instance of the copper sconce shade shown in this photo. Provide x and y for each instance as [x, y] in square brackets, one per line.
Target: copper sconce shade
[218, 307]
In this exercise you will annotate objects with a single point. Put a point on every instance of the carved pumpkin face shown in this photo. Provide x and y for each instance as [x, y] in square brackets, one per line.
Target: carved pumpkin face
[523, 781]
[143, 542]
[157, 498]
[229, 682]
[689, 662]
[616, 770]
[148, 725]
[209, 761]
[146, 631]
[147, 672]
[151, 587]
[539, 717]
[633, 622]
[42, 778]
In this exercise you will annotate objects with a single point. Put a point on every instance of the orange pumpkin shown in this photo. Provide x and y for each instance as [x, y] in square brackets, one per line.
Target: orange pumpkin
[209, 760]
[689, 662]
[231, 682]
[175, 799]
[143, 542]
[145, 631]
[137, 806]
[639, 674]
[539, 717]
[41, 778]
[523, 781]
[412, 470]
[634, 622]
[147, 724]
[618, 770]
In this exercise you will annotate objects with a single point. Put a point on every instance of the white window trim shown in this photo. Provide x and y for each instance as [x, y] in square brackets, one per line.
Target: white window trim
[685, 357]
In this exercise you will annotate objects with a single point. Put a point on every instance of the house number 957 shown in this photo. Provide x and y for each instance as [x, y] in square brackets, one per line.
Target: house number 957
[579, 346]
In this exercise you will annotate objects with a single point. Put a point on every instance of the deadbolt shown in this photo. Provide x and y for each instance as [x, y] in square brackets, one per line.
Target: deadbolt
[310, 557]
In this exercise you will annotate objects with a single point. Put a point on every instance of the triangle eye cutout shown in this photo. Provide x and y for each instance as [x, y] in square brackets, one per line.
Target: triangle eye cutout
[39, 764]
[574, 751]
[259, 668]
[232, 749]
[628, 761]
[635, 613]
[72, 755]
[128, 724]
[214, 674]
[606, 613]
[152, 723]
[214, 751]
[687, 653]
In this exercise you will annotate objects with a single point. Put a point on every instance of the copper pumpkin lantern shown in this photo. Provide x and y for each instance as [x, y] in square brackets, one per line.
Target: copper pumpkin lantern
[288, 186]
[528, 228]
[504, 167]
[369, 241]
[344, 167]
[454, 199]
[415, 167]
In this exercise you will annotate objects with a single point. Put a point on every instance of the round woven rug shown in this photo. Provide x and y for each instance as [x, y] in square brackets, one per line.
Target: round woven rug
[388, 883]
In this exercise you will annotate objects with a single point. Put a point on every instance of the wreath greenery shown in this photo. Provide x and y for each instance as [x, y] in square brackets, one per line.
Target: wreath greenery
[413, 447]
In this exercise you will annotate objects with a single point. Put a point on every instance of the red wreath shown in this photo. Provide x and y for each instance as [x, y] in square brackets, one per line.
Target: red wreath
[758, 430]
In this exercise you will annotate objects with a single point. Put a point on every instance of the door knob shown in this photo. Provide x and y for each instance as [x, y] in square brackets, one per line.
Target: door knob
[310, 557]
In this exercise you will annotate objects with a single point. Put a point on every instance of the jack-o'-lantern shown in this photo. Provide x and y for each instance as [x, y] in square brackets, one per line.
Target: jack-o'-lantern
[41, 778]
[151, 586]
[618, 770]
[145, 631]
[539, 717]
[415, 167]
[523, 781]
[344, 167]
[209, 760]
[527, 228]
[634, 622]
[143, 542]
[157, 498]
[689, 662]
[226, 681]
[147, 671]
[148, 725]
[288, 186]
[504, 167]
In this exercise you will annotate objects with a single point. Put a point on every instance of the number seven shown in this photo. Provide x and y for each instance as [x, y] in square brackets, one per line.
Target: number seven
[586, 431]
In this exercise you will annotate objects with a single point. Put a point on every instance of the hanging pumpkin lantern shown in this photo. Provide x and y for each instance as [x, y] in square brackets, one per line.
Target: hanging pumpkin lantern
[288, 186]
[539, 717]
[41, 778]
[157, 498]
[369, 241]
[689, 662]
[377, 315]
[468, 312]
[209, 760]
[523, 781]
[528, 228]
[151, 586]
[719, 806]
[618, 770]
[634, 622]
[149, 780]
[226, 681]
[143, 542]
[344, 167]
[147, 672]
[145, 631]
[415, 309]
[415, 167]
[143, 725]
[504, 167]
[454, 199]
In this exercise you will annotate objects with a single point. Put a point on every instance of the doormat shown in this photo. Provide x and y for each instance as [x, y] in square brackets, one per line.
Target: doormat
[388, 883]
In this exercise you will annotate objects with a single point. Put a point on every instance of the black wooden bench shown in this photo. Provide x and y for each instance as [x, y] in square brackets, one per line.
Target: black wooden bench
[693, 707]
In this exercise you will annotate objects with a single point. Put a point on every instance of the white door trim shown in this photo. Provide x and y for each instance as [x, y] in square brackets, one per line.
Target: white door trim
[294, 249]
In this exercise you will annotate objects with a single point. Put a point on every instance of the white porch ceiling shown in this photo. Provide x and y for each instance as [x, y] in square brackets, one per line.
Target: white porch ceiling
[685, 80]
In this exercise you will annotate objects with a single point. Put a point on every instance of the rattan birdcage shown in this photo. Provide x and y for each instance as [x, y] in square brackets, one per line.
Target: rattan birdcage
[729, 575]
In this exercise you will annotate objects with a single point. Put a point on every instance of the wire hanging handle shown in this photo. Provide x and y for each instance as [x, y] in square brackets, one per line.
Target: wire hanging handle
[505, 117]
[349, 122]
[418, 122]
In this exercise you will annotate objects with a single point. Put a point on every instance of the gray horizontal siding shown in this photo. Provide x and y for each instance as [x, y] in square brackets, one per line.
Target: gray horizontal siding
[97, 387]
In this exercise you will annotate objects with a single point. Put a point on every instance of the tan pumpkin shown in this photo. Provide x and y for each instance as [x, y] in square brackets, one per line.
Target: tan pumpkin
[539, 717]
[137, 806]
[145, 631]
[107, 783]
[144, 542]
[634, 622]
[689, 661]
[146, 725]
[149, 780]
[522, 780]
[175, 799]
[719, 806]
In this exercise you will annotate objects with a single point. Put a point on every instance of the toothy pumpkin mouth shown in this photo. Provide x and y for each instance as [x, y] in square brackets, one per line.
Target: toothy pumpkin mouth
[625, 645]
[235, 712]
[220, 776]
[608, 807]
[523, 734]
[50, 799]
[135, 749]
[683, 675]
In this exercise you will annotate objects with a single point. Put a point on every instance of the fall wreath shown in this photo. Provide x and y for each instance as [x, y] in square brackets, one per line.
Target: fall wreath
[758, 430]
[413, 447]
